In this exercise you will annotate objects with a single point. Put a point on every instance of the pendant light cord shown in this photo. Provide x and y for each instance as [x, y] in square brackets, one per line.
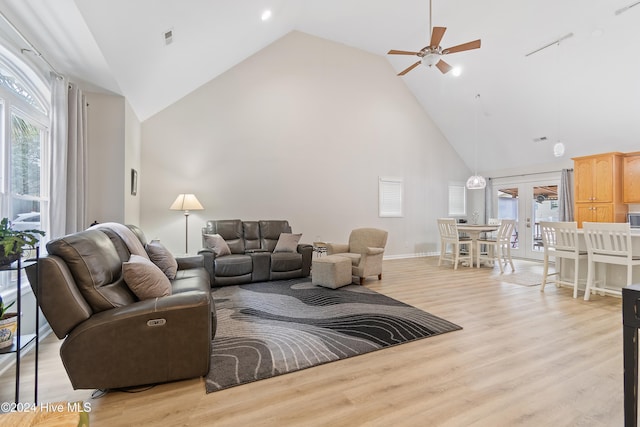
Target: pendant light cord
[475, 146]
[430, 21]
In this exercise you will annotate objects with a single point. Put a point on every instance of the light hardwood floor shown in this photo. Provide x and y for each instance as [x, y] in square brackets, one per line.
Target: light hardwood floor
[524, 358]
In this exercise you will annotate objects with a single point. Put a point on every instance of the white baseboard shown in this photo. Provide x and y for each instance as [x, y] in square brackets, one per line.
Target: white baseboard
[414, 255]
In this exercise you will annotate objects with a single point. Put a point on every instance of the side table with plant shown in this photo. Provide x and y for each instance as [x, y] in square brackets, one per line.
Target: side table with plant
[12, 243]
[8, 324]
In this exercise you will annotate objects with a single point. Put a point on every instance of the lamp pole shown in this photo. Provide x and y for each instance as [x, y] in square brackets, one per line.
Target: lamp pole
[186, 231]
[185, 203]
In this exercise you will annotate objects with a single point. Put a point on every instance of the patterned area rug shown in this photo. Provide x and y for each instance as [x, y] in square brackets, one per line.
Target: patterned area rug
[272, 328]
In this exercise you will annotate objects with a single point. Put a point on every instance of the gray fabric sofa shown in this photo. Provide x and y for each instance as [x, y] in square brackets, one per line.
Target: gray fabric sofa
[111, 338]
[252, 257]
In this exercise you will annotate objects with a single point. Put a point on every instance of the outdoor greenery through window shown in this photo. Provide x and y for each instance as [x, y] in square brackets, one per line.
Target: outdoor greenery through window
[24, 135]
[26, 148]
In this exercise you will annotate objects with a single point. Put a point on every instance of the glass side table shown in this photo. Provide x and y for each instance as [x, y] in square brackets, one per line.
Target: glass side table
[21, 341]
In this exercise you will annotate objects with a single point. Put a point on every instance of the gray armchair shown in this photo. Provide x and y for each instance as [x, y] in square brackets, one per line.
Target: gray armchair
[365, 250]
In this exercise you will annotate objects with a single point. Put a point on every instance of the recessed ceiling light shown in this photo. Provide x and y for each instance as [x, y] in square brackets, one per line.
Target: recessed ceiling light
[456, 71]
[266, 15]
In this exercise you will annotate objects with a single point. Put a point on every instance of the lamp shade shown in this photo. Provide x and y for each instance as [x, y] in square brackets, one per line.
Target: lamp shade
[558, 149]
[476, 182]
[186, 202]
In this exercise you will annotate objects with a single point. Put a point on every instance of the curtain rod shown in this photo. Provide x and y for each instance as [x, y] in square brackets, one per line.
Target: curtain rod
[528, 174]
[32, 48]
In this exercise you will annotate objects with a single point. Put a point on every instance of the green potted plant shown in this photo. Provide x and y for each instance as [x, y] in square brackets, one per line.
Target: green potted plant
[8, 324]
[12, 242]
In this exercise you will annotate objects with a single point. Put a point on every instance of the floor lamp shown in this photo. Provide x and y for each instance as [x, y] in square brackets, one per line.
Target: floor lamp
[186, 203]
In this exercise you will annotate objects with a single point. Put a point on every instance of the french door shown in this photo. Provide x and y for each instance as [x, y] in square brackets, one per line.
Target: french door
[528, 202]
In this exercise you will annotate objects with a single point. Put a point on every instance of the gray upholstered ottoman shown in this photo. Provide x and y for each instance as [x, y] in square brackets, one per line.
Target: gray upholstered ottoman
[331, 271]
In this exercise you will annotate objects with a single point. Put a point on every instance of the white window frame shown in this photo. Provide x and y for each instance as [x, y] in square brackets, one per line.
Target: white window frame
[37, 114]
[390, 197]
[457, 207]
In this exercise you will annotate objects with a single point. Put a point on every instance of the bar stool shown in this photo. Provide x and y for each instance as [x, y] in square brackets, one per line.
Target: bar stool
[449, 236]
[498, 249]
[608, 243]
[560, 240]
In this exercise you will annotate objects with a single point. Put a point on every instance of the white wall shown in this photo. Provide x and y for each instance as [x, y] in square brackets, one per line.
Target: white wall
[114, 134]
[300, 131]
[132, 160]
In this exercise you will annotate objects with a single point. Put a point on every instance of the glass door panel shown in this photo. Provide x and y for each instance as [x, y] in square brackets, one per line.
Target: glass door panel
[508, 207]
[528, 203]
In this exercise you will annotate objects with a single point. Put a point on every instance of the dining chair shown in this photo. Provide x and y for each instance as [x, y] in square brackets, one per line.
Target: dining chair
[449, 236]
[498, 249]
[560, 240]
[492, 234]
[608, 243]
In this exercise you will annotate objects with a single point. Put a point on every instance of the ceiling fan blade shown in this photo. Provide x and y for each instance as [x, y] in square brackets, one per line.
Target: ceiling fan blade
[406, 70]
[462, 47]
[443, 67]
[436, 36]
[401, 52]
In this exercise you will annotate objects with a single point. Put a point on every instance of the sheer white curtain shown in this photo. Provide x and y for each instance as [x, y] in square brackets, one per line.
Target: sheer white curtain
[68, 158]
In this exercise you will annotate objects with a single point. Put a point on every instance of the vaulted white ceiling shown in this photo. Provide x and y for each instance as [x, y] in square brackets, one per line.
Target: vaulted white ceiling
[584, 91]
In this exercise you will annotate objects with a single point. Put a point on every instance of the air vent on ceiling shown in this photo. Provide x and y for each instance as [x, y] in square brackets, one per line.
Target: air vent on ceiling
[540, 139]
[168, 37]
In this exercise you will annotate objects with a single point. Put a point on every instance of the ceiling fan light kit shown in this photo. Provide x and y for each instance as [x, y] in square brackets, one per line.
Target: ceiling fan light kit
[430, 59]
[432, 54]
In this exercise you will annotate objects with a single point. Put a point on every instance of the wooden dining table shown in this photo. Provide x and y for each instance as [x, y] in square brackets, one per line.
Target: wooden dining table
[474, 230]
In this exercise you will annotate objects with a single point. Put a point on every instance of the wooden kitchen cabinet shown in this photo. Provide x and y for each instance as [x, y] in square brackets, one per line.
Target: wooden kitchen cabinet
[593, 212]
[631, 168]
[598, 188]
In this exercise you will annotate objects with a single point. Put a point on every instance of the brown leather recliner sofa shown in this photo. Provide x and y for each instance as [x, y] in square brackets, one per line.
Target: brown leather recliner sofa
[253, 256]
[111, 338]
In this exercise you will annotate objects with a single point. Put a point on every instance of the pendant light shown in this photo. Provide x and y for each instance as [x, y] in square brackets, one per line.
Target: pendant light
[558, 148]
[476, 182]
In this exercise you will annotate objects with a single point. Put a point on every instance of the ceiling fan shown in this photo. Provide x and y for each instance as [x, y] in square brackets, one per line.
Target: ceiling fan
[432, 54]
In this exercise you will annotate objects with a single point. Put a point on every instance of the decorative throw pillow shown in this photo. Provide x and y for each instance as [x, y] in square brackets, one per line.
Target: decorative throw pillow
[145, 279]
[287, 242]
[161, 257]
[217, 243]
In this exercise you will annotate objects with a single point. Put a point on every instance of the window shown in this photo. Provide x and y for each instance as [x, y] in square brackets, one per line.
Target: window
[390, 194]
[457, 200]
[23, 147]
[26, 147]
[10, 83]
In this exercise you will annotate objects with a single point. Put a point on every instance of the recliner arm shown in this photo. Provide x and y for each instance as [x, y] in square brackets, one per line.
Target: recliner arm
[307, 256]
[187, 262]
[209, 257]
[150, 341]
